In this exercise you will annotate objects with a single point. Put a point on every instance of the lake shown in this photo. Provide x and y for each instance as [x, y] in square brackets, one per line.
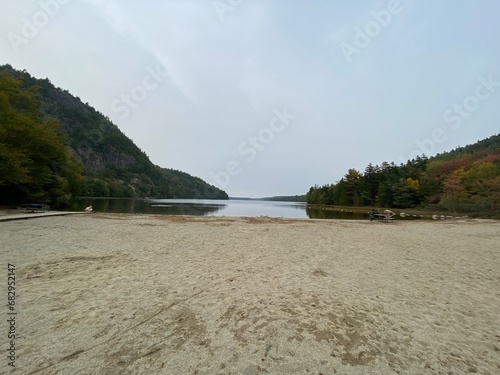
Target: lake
[208, 207]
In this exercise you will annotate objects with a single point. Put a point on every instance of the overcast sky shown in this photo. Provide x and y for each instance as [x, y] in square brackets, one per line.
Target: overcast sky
[267, 98]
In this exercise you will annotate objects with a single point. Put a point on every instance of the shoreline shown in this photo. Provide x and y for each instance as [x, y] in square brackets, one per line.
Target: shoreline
[15, 214]
[128, 293]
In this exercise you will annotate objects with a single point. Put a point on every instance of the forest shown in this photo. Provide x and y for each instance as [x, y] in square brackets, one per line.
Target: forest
[465, 180]
[53, 148]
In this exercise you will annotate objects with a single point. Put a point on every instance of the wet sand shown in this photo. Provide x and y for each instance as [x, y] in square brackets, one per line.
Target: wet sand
[138, 294]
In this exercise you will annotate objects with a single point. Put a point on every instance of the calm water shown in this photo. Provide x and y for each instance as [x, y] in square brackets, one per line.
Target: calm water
[208, 207]
[232, 207]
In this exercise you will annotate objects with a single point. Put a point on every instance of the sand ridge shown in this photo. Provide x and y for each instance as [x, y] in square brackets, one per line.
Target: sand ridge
[139, 294]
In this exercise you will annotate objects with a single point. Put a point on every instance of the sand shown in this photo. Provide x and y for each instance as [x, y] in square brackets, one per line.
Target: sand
[138, 294]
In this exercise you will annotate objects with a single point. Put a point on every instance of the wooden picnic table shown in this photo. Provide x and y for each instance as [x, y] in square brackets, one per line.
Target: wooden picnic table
[35, 207]
[383, 217]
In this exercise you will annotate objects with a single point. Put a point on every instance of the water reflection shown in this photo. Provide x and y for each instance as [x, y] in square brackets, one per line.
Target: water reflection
[143, 206]
[185, 206]
[319, 213]
[232, 207]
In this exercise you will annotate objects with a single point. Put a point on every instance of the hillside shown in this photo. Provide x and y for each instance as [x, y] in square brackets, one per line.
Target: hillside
[466, 179]
[110, 163]
[286, 198]
[490, 144]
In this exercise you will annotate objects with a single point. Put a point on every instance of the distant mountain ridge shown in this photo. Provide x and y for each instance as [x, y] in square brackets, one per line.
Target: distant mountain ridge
[112, 165]
[286, 198]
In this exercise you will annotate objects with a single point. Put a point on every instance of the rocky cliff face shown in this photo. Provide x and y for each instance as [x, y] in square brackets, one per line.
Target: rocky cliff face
[112, 164]
[95, 163]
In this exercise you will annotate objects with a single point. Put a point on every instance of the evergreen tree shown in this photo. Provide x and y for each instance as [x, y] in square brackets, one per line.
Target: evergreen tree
[466, 179]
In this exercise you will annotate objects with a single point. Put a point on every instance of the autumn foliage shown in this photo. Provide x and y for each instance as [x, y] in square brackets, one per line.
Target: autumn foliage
[464, 180]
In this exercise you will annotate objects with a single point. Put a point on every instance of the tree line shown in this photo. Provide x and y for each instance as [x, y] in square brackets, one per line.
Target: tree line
[35, 163]
[53, 147]
[464, 180]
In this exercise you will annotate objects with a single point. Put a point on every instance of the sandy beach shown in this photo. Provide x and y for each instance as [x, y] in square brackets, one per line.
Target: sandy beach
[138, 294]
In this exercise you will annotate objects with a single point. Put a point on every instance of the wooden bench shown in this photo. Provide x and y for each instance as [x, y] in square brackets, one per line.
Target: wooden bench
[382, 217]
[386, 219]
[35, 208]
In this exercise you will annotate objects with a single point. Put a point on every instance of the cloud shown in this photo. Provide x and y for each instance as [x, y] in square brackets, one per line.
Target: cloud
[113, 14]
[225, 78]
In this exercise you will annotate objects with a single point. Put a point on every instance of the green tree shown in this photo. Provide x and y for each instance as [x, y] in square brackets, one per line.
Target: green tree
[368, 185]
[351, 192]
[35, 163]
[384, 195]
[492, 193]
[475, 177]
[407, 193]
[431, 183]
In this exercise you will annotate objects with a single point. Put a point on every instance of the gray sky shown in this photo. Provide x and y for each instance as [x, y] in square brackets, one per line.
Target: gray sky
[269, 97]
